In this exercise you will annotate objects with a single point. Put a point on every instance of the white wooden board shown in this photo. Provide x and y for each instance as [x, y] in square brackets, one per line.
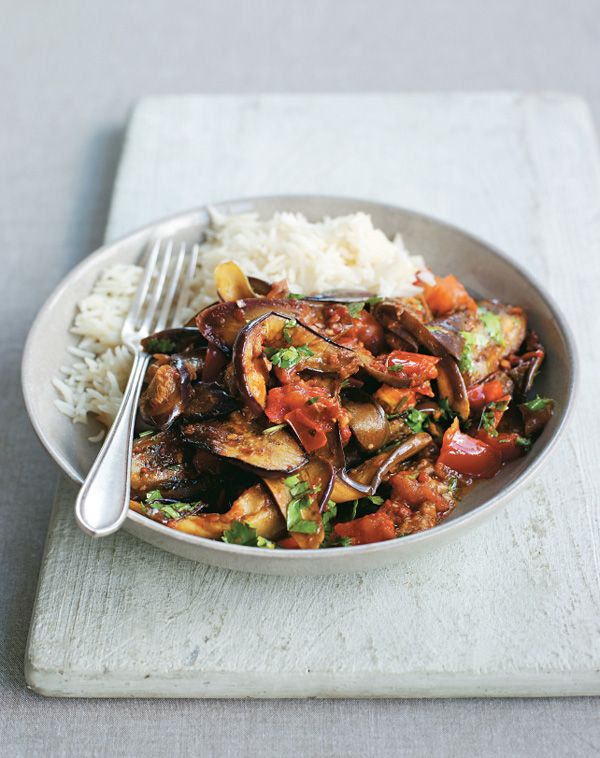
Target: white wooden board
[511, 609]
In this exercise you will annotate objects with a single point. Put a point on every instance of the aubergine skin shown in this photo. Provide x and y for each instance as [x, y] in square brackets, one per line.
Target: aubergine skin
[220, 324]
[252, 371]
[368, 421]
[366, 478]
[253, 507]
[171, 341]
[162, 461]
[319, 475]
[241, 442]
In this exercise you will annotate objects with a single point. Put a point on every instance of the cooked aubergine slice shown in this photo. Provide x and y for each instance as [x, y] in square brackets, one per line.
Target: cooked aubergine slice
[254, 507]
[243, 443]
[161, 461]
[306, 495]
[171, 341]
[171, 394]
[231, 282]
[220, 323]
[290, 343]
[368, 421]
[366, 478]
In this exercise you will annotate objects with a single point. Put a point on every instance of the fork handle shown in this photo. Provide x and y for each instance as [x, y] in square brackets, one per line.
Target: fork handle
[103, 501]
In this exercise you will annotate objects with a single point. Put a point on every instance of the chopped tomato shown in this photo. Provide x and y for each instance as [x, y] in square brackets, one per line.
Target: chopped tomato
[309, 410]
[468, 455]
[487, 392]
[415, 367]
[362, 329]
[447, 295]
[504, 443]
[416, 490]
[282, 400]
[375, 527]
[288, 543]
[309, 431]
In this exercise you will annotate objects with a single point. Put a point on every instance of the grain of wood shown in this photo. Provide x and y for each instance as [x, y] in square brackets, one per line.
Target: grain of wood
[511, 609]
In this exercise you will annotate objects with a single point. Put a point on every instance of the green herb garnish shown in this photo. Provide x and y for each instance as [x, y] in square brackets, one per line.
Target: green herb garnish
[452, 484]
[294, 296]
[488, 417]
[375, 499]
[523, 442]
[159, 345]
[174, 510]
[374, 300]
[355, 308]
[273, 429]
[240, 533]
[447, 411]
[300, 492]
[145, 434]
[289, 324]
[538, 403]
[472, 340]
[493, 325]
[264, 542]
[288, 357]
[416, 420]
[395, 367]
[312, 401]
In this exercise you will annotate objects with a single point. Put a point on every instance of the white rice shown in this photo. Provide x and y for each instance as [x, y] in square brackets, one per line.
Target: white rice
[346, 252]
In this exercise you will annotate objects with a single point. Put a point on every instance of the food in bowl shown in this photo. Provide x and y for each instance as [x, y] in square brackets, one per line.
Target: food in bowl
[281, 418]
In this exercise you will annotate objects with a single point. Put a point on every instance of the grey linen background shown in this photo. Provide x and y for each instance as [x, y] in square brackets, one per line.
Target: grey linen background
[68, 74]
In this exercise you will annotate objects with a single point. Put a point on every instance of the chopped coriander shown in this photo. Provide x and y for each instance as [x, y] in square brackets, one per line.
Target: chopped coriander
[273, 429]
[145, 434]
[355, 308]
[294, 296]
[345, 383]
[374, 300]
[159, 345]
[492, 324]
[375, 499]
[452, 484]
[172, 509]
[344, 542]
[288, 357]
[264, 542]
[300, 492]
[488, 417]
[523, 442]
[416, 420]
[312, 401]
[296, 521]
[354, 510]
[447, 411]
[289, 324]
[328, 515]
[395, 367]
[538, 403]
[472, 340]
[240, 533]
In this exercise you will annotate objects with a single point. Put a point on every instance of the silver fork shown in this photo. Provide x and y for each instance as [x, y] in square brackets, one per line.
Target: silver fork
[103, 501]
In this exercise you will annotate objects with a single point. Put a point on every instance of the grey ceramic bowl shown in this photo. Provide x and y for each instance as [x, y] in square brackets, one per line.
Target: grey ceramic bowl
[484, 271]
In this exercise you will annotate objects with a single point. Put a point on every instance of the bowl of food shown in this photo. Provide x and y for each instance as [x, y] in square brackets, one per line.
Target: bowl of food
[353, 384]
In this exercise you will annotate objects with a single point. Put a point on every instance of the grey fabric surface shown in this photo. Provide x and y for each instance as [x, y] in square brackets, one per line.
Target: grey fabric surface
[68, 74]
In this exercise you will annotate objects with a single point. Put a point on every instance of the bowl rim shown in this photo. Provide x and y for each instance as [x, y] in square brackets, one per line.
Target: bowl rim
[446, 527]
